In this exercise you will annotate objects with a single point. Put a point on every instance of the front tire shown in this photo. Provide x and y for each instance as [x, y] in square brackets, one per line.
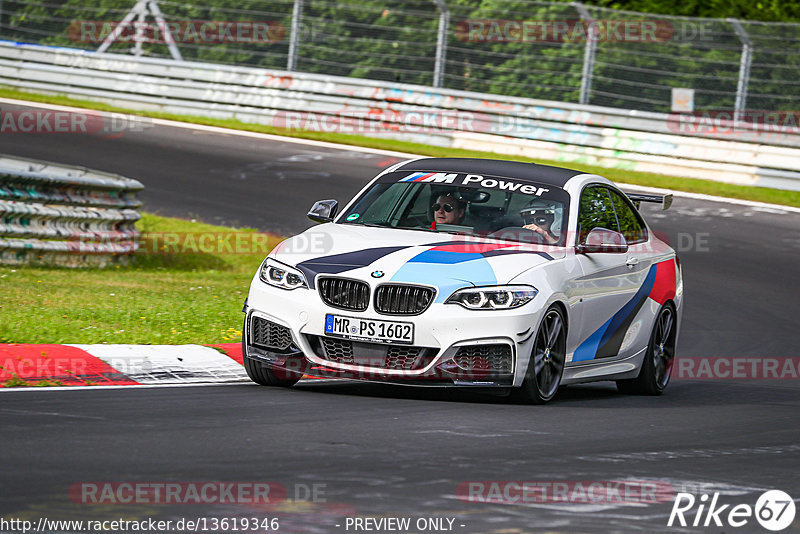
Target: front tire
[546, 366]
[260, 373]
[656, 368]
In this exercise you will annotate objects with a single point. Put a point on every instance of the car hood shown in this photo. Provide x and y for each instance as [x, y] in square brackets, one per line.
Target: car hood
[377, 255]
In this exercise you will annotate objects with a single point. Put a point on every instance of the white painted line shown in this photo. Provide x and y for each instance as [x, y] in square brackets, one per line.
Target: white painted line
[245, 382]
[141, 386]
[353, 148]
[176, 364]
[217, 129]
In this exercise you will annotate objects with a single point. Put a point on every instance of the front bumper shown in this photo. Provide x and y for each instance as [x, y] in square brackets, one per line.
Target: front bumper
[458, 347]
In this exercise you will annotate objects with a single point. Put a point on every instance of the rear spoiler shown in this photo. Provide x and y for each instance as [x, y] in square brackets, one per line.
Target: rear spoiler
[664, 200]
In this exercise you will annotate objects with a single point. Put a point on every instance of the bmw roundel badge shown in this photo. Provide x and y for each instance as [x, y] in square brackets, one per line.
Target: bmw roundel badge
[377, 274]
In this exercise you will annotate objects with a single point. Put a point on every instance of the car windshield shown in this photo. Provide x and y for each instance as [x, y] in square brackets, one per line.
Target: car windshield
[467, 204]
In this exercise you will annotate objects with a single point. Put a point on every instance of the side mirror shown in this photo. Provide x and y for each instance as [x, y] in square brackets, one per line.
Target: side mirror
[323, 211]
[603, 240]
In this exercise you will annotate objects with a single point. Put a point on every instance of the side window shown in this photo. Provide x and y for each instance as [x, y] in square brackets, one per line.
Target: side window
[630, 222]
[596, 211]
[378, 209]
[415, 208]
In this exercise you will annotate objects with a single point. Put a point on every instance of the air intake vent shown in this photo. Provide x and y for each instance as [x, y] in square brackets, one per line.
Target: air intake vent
[343, 293]
[397, 299]
[337, 350]
[269, 335]
[494, 358]
[404, 358]
[378, 355]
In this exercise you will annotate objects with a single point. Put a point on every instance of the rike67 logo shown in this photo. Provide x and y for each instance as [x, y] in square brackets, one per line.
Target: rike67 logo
[774, 510]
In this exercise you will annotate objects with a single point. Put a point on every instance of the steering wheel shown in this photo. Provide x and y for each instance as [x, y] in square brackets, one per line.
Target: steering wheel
[518, 233]
[417, 222]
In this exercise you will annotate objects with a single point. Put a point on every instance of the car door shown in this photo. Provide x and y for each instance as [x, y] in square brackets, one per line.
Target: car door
[638, 260]
[608, 284]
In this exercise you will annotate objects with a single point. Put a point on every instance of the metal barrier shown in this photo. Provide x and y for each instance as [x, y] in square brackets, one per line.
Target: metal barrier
[561, 51]
[749, 154]
[71, 216]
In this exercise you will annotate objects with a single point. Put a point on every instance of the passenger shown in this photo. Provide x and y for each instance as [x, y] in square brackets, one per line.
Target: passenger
[539, 217]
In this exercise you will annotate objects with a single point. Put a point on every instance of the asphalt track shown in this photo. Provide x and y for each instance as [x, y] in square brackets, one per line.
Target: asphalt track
[399, 452]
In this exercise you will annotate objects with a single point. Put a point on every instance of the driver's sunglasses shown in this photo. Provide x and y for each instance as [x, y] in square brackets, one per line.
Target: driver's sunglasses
[447, 207]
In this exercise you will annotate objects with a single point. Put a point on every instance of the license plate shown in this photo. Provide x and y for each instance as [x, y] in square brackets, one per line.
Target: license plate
[372, 330]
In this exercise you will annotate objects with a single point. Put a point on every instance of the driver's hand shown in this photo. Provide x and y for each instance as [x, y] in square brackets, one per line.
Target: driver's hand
[535, 229]
[541, 232]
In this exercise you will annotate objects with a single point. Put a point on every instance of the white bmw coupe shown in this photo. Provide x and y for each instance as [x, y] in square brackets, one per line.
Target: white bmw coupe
[471, 272]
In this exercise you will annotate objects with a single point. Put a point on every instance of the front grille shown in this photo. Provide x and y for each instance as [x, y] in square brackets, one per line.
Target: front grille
[495, 358]
[397, 299]
[378, 355]
[345, 294]
[269, 335]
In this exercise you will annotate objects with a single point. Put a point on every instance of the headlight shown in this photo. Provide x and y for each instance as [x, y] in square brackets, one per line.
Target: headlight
[493, 298]
[277, 274]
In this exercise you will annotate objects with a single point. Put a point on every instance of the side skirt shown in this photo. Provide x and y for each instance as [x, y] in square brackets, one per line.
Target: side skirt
[596, 370]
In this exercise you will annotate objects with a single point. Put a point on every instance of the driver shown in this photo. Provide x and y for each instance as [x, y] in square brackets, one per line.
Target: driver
[448, 210]
[539, 216]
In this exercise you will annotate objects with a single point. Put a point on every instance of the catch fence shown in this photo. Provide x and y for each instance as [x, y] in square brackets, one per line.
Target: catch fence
[567, 52]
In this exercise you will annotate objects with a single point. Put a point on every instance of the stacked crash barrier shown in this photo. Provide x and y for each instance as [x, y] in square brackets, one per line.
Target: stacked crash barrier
[61, 215]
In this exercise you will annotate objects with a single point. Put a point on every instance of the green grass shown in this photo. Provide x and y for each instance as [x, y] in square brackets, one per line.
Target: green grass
[16, 382]
[164, 297]
[761, 194]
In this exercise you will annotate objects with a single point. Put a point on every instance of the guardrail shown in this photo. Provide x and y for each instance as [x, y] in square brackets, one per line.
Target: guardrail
[62, 215]
[743, 153]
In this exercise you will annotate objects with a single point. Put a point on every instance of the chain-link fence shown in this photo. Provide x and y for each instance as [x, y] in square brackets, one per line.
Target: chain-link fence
[567, 52]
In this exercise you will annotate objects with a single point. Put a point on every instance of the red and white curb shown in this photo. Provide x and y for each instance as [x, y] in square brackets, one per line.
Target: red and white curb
[119, 365]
